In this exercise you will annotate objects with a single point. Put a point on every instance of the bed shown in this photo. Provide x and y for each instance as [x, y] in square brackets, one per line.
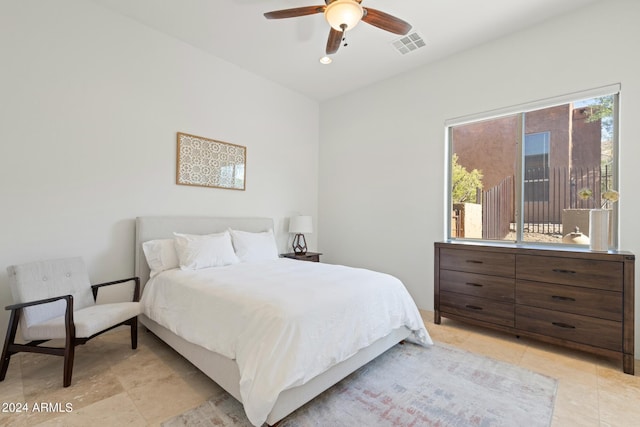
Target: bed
[228, 365]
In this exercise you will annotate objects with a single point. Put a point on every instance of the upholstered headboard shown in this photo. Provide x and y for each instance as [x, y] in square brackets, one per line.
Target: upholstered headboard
[163, 227]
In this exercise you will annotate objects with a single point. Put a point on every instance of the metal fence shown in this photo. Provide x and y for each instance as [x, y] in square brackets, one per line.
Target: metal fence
[549, 191]
[497, 210]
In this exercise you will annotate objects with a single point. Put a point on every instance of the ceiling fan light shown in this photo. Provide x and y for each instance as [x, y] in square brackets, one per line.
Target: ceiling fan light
[343, 12]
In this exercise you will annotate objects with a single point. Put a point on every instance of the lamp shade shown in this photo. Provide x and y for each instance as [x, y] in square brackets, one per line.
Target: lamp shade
[300, 224]
[343, 12]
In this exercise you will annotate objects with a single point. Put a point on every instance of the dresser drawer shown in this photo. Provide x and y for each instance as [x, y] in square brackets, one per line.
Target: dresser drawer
[570, 271]
[493, 263]
[572, 327]
[479, 285]
[570, 299]
[500, 313]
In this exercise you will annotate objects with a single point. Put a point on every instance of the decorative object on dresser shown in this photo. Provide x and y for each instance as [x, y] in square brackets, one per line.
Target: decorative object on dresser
[600, 219]
[575, 238]
[578, 299]
[307, 256]
[204, 162]
[599, 230]
[300, 225]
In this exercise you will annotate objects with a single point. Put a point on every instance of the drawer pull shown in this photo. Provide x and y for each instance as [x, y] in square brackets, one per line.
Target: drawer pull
[560, 298]
[473, 261]
[473, 307]
[477, 285]
[563, 325]
[560, 270]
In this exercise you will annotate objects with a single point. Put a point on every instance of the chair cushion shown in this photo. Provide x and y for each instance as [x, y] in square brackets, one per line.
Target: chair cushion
[47, 279]
[88, 321]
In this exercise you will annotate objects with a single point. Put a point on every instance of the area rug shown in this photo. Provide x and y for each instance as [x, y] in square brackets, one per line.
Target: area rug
[410, 385]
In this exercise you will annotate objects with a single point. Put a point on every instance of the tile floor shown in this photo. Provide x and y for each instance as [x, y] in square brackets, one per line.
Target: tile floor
[113, 385]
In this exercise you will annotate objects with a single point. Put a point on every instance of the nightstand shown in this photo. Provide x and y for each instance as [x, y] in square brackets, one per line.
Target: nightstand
[309, 256]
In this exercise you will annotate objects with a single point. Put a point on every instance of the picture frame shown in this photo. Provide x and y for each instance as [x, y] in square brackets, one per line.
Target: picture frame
[205, 162]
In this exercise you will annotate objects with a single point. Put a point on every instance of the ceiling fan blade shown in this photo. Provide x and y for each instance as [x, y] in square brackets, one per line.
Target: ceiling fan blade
[296, 11]
[333, 43]
[385, 21]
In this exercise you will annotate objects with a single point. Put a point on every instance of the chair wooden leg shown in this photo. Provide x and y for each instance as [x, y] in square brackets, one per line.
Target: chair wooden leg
[69, 345]
[134, 333]
[9, 339]
[69, 353]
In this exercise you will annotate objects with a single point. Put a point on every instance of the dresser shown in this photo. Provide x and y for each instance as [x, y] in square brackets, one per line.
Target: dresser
[575, 298]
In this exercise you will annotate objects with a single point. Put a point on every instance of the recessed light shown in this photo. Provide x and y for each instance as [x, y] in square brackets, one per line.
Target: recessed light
[325, 60]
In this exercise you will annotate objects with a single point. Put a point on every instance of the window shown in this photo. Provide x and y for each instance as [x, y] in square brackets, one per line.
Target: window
[516, 174]
[536, 167]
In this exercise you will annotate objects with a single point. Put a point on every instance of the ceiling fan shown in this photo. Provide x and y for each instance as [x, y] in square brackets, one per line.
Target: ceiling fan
[343, 15]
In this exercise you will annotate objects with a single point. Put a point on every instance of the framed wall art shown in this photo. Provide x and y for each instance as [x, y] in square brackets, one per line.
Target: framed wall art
[206, 162]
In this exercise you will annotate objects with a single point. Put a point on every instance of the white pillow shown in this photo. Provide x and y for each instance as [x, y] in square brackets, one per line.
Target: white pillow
[161, 255]
[202, 251]
[254, 246]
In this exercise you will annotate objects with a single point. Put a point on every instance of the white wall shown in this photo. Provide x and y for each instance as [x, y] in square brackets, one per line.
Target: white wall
[90, 103]
[382, 148]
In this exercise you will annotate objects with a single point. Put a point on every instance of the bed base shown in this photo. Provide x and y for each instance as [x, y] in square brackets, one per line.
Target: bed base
[225, 371]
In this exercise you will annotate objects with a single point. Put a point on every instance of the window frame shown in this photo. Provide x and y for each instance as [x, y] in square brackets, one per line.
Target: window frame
[520, 111]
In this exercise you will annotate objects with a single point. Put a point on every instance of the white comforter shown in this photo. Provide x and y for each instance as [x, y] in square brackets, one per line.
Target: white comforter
[283, 321]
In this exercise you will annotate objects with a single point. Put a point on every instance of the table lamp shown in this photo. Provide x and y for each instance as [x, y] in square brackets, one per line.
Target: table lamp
[300, 225]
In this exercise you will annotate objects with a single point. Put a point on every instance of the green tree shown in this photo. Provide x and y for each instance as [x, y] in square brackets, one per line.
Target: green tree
[602, 109]
[464, 183]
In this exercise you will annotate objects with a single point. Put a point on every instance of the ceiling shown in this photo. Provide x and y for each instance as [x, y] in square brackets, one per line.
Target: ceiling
[287, 51]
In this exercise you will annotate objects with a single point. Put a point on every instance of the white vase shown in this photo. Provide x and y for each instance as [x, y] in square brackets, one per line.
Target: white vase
[599, 230]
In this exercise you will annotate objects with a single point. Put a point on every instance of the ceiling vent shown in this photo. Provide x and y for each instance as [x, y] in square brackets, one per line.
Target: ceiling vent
[409, 43]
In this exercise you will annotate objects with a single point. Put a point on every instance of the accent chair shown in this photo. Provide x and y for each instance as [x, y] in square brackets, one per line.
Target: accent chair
[55, 300]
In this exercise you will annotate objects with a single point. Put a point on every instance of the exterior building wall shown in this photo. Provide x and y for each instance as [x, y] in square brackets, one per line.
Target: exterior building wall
[482, 146]
[585, 140]
[556, 121]
[490, 146]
